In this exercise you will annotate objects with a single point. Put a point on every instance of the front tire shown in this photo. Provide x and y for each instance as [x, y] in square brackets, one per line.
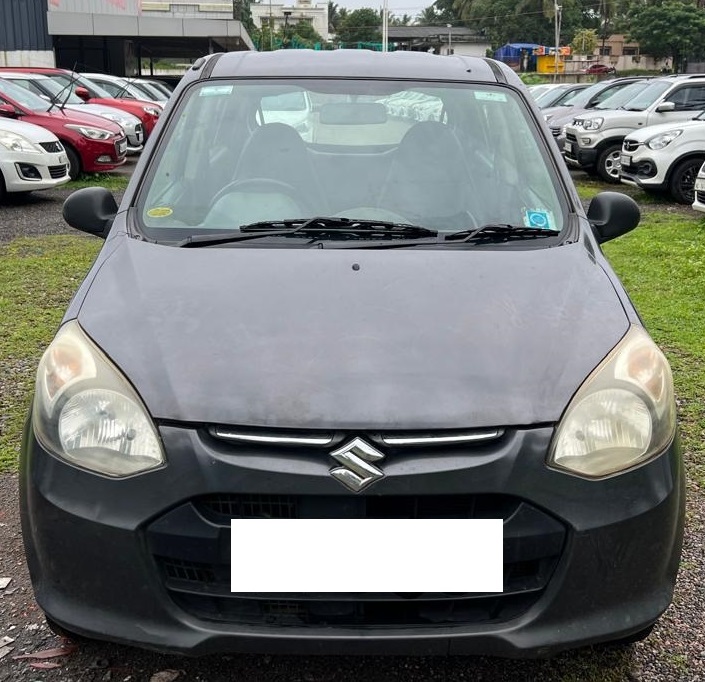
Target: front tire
[74, 162]
[608, 164]
[682, 184]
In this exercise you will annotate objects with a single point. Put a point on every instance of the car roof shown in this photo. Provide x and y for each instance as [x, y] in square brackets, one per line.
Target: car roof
[24, 75]
[354, 64]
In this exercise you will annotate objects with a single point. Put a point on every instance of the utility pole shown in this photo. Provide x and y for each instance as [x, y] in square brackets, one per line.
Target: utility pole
[557, 24]
[385, 25]
[449, 27]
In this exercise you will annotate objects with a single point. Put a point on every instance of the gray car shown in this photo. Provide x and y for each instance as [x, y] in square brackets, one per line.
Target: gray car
[371, 342]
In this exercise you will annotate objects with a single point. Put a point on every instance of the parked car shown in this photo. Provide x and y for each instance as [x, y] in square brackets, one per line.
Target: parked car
[63, 97]
[699, 193]
[559, 117]
[665, 157]
[31, 158]
[92, 143]
[564, 93]
[600, 69]
[147, 112]
[412, 322]
[594, 140]
[125, 87]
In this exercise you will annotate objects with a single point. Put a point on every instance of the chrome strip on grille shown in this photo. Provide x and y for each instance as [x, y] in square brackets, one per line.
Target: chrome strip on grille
[280, 440]
[440, 440]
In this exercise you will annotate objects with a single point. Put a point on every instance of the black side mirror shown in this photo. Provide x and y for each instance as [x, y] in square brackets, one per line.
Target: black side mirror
[91, 210]
[612, 214]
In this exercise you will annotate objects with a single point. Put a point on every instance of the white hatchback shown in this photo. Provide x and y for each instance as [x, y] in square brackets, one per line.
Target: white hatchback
[31, 158]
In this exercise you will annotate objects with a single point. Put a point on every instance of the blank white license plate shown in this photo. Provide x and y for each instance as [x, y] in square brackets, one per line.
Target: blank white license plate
[568, 147]
[626, 160]
[366, 555]
[700, 185]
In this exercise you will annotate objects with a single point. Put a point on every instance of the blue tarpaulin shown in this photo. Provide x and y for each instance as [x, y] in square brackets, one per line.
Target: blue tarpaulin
[513, 54]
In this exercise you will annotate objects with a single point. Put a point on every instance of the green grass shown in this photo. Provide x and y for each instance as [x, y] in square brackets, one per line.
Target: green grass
[115, 183]
[38, 276]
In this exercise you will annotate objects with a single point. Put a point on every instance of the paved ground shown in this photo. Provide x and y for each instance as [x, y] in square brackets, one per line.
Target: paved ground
[675, 652]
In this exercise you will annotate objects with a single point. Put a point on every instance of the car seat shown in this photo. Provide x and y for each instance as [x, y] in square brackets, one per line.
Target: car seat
[428, 180]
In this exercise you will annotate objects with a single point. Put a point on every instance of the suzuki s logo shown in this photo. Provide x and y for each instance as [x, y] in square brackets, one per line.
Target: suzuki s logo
[356, 471]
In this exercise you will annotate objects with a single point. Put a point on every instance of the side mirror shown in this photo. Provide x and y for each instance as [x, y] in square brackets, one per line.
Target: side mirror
[81, 92]
[666, 106]
[612, 214]
[8, 111]
[91, 210]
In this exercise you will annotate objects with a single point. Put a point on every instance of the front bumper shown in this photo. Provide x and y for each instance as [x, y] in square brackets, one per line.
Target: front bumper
[26, 172]
[135, 137]
[577, 156]
[644, 172]
[99, 156]
[145, 560]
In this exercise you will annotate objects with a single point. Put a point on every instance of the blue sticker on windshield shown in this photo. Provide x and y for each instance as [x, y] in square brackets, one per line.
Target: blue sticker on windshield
[538, 218]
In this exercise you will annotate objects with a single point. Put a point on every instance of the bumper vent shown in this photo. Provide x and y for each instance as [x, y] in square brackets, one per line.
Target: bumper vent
[57, 172]
[191, 548]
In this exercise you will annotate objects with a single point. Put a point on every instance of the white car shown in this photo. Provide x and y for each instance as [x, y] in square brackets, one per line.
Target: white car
[699, 193]
[665, 157]
[31, 158]
[594, 140]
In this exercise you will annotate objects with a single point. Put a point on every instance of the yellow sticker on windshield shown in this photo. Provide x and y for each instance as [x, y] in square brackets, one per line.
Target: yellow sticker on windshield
[159, 212]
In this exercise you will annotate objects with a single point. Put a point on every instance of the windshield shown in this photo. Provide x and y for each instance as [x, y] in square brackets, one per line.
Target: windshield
[23, 97]
[551, 95]
[623, 95]
[55, 89]
[445, 157]
[80, 81]
[648, 96]
[148, 90]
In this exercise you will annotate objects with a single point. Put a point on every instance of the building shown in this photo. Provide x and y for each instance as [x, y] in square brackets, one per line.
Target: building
[279, 15]
[116, 36]
[440, 39]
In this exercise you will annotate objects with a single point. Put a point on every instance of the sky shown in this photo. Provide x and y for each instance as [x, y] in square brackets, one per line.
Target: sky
[398, 7]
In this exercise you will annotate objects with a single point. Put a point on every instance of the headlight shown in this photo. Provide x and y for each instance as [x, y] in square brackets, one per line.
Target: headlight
[17, 143]
[87, 413]
[663, 140]
[623, 415]
[91, 133]
[152, 111]
[592, 123]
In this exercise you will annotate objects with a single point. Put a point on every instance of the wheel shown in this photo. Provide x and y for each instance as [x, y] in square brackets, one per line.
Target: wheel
[682, 183]
[74, 162]
[608, 165]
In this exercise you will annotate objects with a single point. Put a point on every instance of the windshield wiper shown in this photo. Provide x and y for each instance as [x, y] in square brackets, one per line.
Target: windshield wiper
[498, 232]
[361, 229]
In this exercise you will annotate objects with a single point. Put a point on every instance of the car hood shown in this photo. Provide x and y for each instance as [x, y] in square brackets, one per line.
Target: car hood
[32, 132]
[400, 339]
[613, 116]
[647, 133]
[123, 117]
[80, 118]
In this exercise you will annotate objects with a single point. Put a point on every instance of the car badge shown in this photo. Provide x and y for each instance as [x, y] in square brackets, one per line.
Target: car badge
[357, 470]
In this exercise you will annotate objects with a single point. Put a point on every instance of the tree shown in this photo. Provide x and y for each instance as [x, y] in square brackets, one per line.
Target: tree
[360, 25]
[439, 13]
[673, 28]
[585, 41]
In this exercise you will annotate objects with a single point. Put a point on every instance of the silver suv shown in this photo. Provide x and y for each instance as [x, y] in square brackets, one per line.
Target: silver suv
[594, 141]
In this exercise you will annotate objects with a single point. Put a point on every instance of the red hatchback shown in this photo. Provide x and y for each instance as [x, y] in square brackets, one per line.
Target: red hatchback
[147, 112]
[600, 68]
[92, 143]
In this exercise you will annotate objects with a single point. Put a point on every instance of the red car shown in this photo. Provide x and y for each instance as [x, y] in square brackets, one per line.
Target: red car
[92, 143]
[147, 112]
[600, 69]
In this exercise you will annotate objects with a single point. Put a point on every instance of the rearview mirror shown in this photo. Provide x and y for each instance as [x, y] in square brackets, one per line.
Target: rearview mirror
[612, 214]
[91, 210]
